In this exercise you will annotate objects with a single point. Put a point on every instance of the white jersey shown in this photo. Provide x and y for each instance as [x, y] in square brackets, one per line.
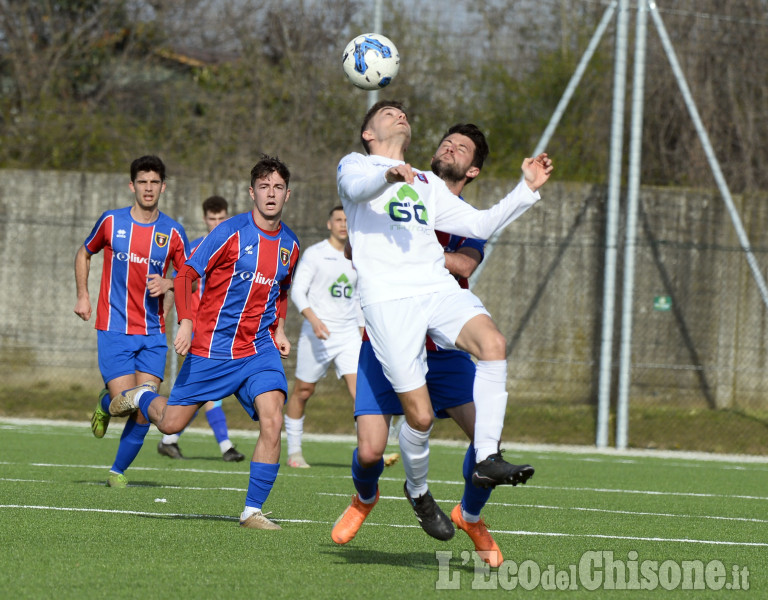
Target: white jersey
[392, 226]
[327, 282]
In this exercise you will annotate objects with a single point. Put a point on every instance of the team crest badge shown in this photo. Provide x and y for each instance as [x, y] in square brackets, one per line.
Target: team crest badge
[161, 239]
[285, 254]
[422, 177]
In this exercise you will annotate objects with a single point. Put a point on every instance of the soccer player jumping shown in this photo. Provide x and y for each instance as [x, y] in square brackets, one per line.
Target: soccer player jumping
[407, 293]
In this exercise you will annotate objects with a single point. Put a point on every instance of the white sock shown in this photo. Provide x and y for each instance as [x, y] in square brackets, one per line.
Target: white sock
[248, 511]
[294, 429]
[172, 438]
[469, 518]
[225, 445]
[414, 450]
[490, 395]
[138, 396]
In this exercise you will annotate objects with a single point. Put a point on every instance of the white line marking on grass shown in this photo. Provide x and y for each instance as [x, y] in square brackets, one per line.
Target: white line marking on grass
[394, 525]
[579, 508]
[10, 422]
[398, 479]
[623, 512]
[118, 512]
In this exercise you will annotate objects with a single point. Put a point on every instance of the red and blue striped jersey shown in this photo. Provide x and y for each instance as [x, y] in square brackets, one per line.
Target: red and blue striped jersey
[132, 251]
[247, 274]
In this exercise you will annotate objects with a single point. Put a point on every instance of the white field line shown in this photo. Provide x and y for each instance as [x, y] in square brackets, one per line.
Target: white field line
[328, 523]
[613, 453]
[447, 501]
[286, 473]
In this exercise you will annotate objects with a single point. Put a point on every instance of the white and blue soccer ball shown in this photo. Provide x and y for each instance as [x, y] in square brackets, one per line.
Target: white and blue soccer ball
[371, 61]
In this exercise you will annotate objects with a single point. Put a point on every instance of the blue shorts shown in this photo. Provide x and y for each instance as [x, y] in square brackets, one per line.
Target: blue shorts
[203, 379]
[450, 380]
[123, 354]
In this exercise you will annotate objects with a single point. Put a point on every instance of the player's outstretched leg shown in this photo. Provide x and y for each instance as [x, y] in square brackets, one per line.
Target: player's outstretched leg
[101, 416]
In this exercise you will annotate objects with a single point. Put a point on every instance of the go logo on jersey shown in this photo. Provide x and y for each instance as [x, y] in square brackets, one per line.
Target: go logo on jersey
[341, 288]
[407, 207]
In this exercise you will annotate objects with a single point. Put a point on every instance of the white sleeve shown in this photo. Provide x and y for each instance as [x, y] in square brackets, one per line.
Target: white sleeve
[358, 181]
[457, 217]
[302, 279]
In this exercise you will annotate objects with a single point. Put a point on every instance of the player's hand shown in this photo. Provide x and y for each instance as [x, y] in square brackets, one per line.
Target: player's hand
[158, 285]
[537, 170]
[282, 343]
[320, 329]
[183, 340]
[83, 308]
[400, 174]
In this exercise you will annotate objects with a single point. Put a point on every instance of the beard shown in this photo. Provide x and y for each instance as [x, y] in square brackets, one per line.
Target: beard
[447, 172]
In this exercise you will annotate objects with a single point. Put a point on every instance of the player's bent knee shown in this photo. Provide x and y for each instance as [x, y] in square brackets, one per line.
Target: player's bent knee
[369, 454]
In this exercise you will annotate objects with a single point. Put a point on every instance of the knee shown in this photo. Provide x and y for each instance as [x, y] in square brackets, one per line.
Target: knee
[369, 454]
[421, 421]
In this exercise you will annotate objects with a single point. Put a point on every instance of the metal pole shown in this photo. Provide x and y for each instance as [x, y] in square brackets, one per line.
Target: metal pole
[373, 96]
[630, 248]
[710, 153]
[611, 234]
[556, 116]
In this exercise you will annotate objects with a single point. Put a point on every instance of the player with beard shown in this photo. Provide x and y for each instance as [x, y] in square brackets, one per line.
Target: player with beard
[450, 380]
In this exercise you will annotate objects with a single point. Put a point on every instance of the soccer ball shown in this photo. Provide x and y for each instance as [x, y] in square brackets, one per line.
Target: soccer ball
[371, 61]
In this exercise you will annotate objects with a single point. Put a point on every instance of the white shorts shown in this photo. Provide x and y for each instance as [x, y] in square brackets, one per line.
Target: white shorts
[314, 356]
[398, 330]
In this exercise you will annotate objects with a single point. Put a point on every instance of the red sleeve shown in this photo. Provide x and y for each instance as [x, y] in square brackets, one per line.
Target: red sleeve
[182, 288]
[282, 304]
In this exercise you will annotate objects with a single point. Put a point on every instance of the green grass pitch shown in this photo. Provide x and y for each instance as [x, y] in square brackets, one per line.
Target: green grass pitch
[586, 520]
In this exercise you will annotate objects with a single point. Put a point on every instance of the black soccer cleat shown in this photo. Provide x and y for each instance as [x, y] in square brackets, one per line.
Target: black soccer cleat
[232, 455]
[432, 520]
[169, 450]
[494, 471]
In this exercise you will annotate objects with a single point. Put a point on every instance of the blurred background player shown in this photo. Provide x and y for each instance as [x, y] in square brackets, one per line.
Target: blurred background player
[215, 210]
[139, 244]
[324, 292]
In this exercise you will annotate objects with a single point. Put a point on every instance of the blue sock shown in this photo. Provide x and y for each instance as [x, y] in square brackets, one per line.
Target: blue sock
[218, 422]
[262, 479]
[105, 403]
[145, 401]
[131, 441]
[474, 498]
[366, 480]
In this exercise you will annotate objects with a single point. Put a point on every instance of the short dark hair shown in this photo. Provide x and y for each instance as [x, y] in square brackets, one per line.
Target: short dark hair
[371, 112]
[149, 162]
[473, 132]
[334, 209]
[215, 204]
[267, 165]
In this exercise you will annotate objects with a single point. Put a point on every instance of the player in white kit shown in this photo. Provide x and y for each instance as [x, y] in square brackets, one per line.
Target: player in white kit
[407, 293]
[324, 291]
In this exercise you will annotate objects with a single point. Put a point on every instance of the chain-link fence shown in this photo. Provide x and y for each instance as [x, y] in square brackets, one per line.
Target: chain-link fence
[698, 340]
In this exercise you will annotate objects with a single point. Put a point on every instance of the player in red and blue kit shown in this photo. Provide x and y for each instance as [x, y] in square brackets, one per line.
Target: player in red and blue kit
[450, 380]
[140, 245]
[239, 337]
[215, 211]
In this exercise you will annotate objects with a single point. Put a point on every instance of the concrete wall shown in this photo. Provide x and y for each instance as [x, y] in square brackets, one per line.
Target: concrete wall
[542, 283]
